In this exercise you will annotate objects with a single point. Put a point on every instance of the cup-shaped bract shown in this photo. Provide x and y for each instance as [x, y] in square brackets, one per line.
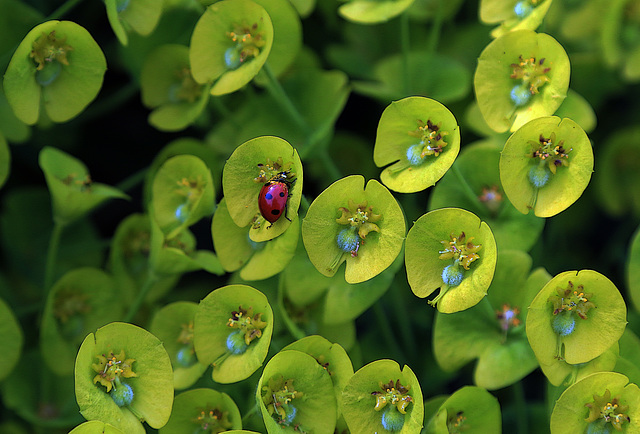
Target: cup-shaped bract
[421, 137]
[203, 411]
[232, 331]
[95, 427]
[230, 44]
[367, 12]
[255, 260]
[73, 193]
[450, 249]
[11, 340]
[57, 67]
[604, 402]
[562, 374]
[82, 300]
[173, 325]
[347, 222]
[253, 166]
[628, 361]
[141, 16]
[478, 166]
[182, 193]
[521, 76]
[295, 394]
[471, 410]
[494, 334]
[546, 165]
[513, 14]
[134, 366]
[576, 317]
[167, 87]
[380, 397]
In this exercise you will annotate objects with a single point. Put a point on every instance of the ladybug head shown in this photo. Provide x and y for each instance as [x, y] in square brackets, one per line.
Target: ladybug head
[286, 176]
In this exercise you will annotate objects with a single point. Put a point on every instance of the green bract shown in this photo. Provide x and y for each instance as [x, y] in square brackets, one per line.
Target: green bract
[95, 427]
[173, 325]
[339, 220]
[619, 38]
[63, 83]
[147, 373]
[229, 45]
[493, 331]
[168, 87]
[141, 16]
[513, 14]
[255, 260]
[520, 76]
[470, 410]
[182, 193]
[80, 301]
[604, 402]
[73, 193]
[432, 262]
[474, 184]
[546, 165]
[248, 169]
[422, 138]
[590, 316]
[633, 270]
[628, 362]
[373, 12]
[295, 394]
[202, 411]
[563, 374]
[10, 340]
[382, 398]
[232, 331]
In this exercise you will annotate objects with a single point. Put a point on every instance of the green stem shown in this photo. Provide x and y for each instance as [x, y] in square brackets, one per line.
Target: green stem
[468, 191]
[63, 9]
[385, 327]
[521, 408]
[132, 180]
[135, 307]
[249, 414]
[332, 170]
[112, 102]
[52, 254]
[434, 37]
[403, 321]
[293, 328]
[405, 43]
[277, 92]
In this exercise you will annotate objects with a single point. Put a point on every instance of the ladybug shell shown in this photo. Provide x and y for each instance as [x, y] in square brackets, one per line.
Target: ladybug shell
[272, 200]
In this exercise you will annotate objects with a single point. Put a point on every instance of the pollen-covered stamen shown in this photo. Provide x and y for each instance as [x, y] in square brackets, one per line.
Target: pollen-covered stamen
[212, 420]
[572, 299]
[491, 197]
[394, 394]
[185, 88]
[605, 410]
[508, 317]
[245, 320]
[461, 250]
[431, 138]
[274, 171]
[359, 216]
[49, 48]
[532, 73]
[248, 40]
[553, 154]
[81, 183]
[111, 367]
[278, 397]
[456, 423]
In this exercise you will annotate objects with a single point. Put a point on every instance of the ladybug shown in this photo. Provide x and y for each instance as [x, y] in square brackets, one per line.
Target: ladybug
[274, 196]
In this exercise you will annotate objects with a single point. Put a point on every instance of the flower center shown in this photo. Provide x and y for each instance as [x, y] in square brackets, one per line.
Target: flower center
[275, 171]
[461, 250]
[213, 421]
[247, 323]
[604, 410]
[550, 153]
[456, 423]
[278, 397]
[185, 87]
[431, 141]
[508, 317]
[492, 198]
[186, 355]
[111, 367]
[572, 300]
[531, 73]
[394, 394]
[360, 220]
[247, 44]
[49, 48]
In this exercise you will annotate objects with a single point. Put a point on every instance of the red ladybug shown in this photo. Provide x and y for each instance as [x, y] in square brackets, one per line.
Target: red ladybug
[273, 197]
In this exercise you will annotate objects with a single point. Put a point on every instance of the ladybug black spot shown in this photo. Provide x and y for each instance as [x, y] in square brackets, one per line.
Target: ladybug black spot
[268, 196]
[282, 194]
[275, 211]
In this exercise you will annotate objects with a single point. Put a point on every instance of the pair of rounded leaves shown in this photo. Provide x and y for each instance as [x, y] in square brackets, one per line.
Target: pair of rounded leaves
[63, 83]
[321, 230]
[367, 12]
[366, 390]
[313, 408]
[425, 268]
[493, 333]
[11, 340]
[95, 427]
[242, 191]
[595, 395]
[255, 260]
[513, 15]
[141, 16]
[80, 301]
[203, 410]
[476, 171]
[469, 410]
[152, 384]
[173, 325]
[582, 339]
[525, 163]
[220, 49]
[73, 193]
[421, 137]
[212, 332]
[167, 87]
[508, 103]
[182, 193]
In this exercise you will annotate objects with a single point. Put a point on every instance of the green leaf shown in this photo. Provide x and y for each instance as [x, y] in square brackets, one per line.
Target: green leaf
[191, 413]
[212, 332]
[628, 362]
[73, 193]
[11, 340]
[141, 16]
[577, 108]
[513, 15]
[425, 242]
[13, 128]
[95, 427]
[359, 403]
[320, 229]
[528, 179]
[373, 12]
[561, 374]
[67, 92]
[421, 137]
[471, 409]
